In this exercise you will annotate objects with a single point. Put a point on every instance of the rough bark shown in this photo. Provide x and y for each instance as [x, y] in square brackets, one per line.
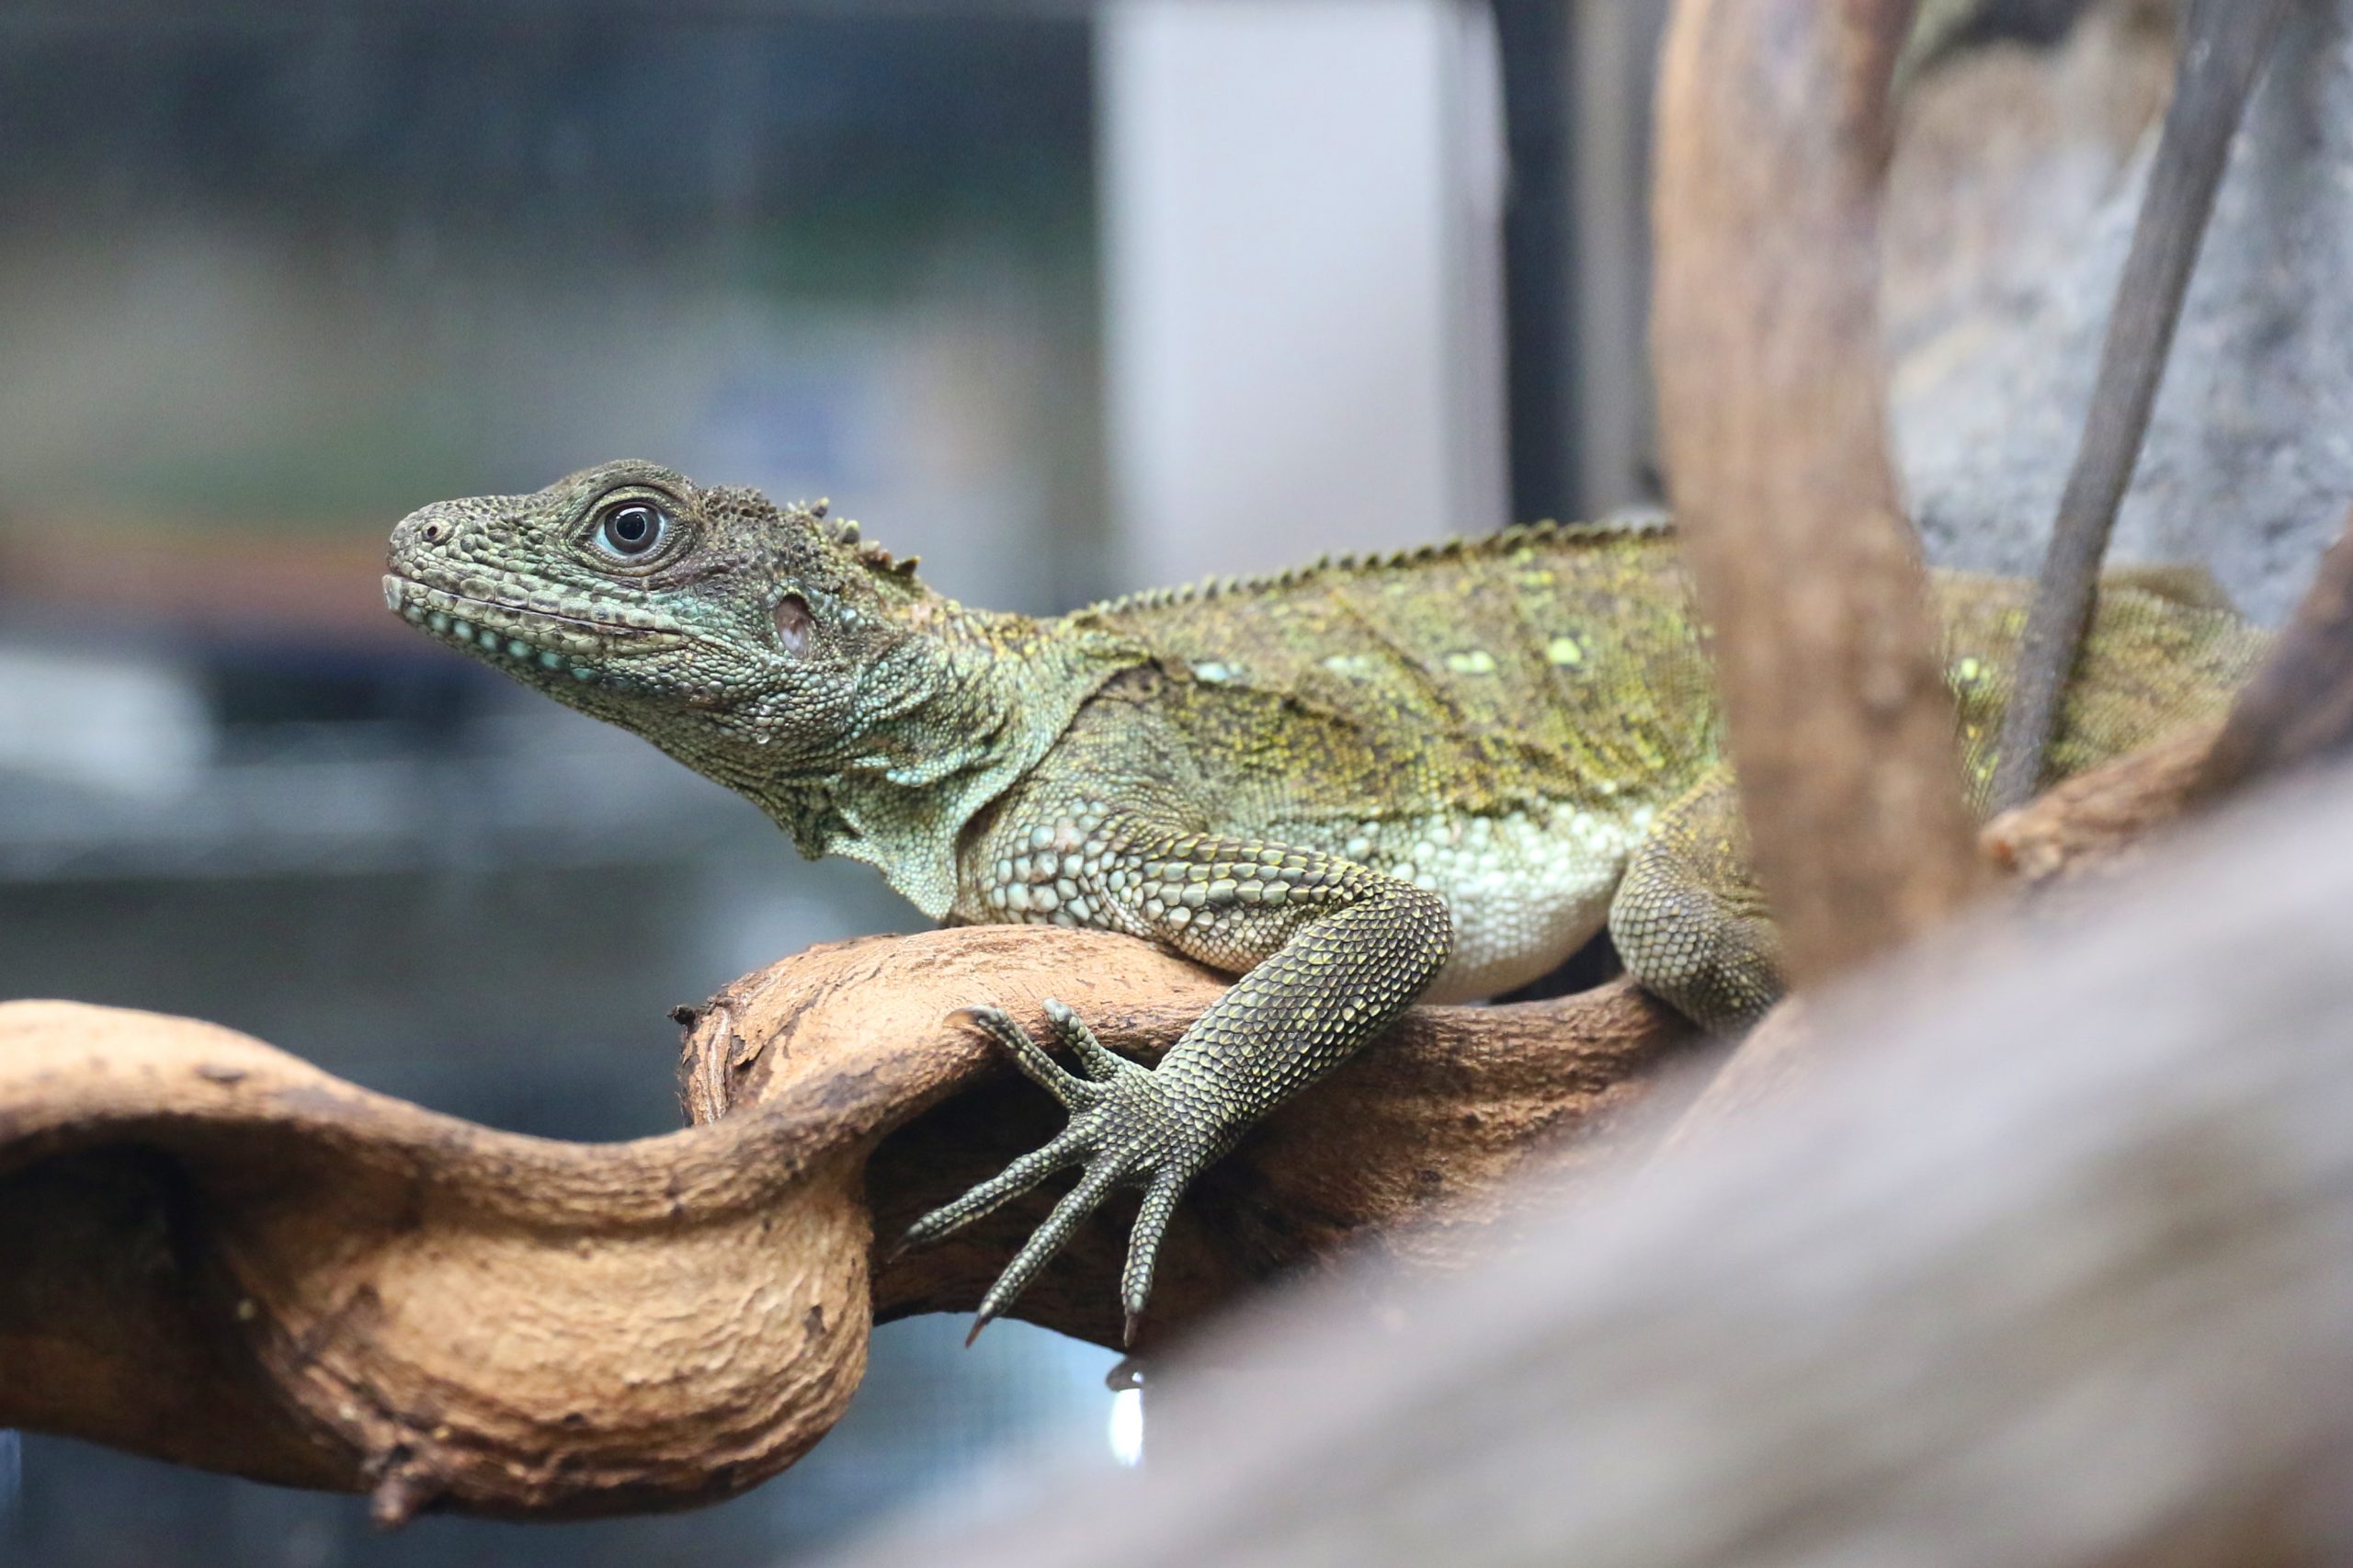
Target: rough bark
[1773, 143]
[222, 1256]
[226, 1257]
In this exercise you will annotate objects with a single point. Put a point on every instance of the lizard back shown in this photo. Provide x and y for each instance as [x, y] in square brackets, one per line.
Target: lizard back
[1478, 677]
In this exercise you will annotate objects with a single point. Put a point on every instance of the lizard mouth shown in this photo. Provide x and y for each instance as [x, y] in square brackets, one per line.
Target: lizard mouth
[522, 637]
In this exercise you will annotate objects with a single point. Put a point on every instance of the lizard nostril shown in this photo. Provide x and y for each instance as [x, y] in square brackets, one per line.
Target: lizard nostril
[432, 533]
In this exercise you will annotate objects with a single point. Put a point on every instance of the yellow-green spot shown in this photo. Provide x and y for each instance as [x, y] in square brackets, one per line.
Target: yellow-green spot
[1348, 664]
[1564, 650]
[1471, 662]
[1968, 671]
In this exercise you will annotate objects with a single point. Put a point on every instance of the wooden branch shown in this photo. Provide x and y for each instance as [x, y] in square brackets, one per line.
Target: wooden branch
[219, 1255]
[2101, 820]
[2299, 707]
[2298, 710]
[2055, 1272]
[2224, 44]
[1433, 1122]
[1773, 140]
[2094, 826]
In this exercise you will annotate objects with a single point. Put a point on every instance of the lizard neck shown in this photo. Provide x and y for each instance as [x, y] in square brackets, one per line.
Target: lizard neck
[951, 717]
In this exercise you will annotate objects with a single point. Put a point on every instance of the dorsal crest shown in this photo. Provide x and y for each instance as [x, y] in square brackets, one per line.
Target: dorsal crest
[845, 531]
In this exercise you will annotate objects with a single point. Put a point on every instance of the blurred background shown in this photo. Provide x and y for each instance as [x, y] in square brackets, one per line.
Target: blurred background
[1069, 299]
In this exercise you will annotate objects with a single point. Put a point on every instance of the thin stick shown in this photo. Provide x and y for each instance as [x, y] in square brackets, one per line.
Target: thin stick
[2224, 44]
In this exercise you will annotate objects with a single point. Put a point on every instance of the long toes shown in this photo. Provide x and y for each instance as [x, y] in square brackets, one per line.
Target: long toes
[1143, 1244]
[1009, 1184]
[1046, 1240]
[1072, 1030]
[1030, 1057]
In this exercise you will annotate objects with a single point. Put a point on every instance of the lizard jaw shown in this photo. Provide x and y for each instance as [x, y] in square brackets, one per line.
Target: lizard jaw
[519, 637]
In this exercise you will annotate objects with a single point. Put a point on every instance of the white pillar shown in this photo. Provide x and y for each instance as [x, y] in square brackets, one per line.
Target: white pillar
[1302, 210]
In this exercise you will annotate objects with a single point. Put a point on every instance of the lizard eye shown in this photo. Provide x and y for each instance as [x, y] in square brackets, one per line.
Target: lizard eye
[633, 531]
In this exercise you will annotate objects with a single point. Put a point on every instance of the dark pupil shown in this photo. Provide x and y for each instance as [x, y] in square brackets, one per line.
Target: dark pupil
[631, 530]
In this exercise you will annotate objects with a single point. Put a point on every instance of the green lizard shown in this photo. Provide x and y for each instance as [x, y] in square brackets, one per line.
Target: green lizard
[1431, 775]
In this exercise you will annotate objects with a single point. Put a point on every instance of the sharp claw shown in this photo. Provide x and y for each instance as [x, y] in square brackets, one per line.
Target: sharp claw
[1033, 1058]
[1127, 1330]
[1102, 1065]
[979, 1322]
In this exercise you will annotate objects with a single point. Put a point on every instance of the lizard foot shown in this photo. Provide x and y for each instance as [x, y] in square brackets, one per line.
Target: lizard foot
[1122, 1130]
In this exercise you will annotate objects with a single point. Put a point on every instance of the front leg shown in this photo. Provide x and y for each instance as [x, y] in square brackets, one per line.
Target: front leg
[1333, 951]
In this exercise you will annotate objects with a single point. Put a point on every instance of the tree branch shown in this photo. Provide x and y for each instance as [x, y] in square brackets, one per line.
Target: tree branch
[1773, 140]
[2299, 707]
[219, 1255]
[2224, 44]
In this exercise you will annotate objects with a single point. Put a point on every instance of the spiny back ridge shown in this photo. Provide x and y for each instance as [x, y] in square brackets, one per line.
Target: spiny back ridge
[1619, 525]
[845, 531]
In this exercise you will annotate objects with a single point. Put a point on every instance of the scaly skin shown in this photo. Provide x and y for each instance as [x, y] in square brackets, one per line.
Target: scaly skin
[1430, 775]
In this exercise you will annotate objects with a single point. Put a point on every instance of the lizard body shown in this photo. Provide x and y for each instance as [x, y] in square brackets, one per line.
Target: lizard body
[1428, 775]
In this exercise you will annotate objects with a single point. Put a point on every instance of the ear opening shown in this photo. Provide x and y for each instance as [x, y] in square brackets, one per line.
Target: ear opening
[794, 623]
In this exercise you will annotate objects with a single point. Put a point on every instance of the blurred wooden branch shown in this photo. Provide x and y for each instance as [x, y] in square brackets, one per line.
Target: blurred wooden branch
[2299, 707]
[2056, 1270]
[1772, 145]
[2096, 826]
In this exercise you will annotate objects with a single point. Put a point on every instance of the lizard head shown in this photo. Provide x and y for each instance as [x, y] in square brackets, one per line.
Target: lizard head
[746, 638]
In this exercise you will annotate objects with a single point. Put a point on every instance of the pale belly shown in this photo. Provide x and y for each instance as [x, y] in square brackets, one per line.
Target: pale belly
[1526, 890]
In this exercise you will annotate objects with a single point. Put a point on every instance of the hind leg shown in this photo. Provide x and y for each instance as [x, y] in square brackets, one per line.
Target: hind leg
[1688, 918]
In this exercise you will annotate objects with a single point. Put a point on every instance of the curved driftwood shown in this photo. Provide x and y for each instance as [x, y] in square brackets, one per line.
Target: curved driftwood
[218, 1255]
[221, 1255]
